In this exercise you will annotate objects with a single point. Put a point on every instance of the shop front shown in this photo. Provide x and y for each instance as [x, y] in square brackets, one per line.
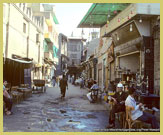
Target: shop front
[17, 71]
[134, 55]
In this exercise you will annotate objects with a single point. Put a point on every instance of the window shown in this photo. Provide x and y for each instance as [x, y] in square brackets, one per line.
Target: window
[24, 27]
[73, 48]
[37, 38]
[73, 56]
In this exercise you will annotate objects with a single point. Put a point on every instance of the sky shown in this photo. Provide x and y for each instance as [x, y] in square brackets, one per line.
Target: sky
[69, 16]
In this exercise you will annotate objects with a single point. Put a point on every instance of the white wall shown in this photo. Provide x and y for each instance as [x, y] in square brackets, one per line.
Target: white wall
[17, 39]
[130, 62]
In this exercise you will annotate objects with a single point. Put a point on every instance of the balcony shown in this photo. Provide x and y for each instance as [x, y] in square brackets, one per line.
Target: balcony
[48, 55]
[48, 37]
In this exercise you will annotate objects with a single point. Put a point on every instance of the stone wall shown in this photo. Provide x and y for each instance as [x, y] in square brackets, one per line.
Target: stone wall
[156, 35]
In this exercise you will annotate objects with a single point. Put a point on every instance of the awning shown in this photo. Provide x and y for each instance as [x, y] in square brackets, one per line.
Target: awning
[55, 19]
[50, 62]
[98, 13]
[21, 61]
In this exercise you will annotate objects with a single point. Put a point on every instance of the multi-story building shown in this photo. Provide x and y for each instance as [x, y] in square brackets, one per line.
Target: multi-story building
[63, 59]
[134, 55]
[75, 50]
[51, 46]
[22, 44]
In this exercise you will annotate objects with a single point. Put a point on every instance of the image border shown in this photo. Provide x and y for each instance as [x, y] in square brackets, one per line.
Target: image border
[74, 133]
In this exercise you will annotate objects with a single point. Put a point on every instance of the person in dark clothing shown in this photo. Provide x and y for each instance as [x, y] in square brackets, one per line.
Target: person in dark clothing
[90, 83]
[111, 86]
[7, 99]
[118, 104]
[63, 84]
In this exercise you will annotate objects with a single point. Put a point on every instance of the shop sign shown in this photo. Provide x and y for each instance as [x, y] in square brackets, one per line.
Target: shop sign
[110, 54]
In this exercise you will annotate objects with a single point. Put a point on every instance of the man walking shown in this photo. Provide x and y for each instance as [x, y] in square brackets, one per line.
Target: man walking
[63, 84]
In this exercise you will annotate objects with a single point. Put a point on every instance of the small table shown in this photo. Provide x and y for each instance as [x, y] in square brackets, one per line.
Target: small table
[26, 92]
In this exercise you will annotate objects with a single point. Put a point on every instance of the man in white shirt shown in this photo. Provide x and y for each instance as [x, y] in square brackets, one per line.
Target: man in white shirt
[137, 114]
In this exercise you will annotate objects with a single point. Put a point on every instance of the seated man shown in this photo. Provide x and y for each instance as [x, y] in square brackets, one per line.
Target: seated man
[137, 114]
[119, 104]
[7, 99]
[94, 87]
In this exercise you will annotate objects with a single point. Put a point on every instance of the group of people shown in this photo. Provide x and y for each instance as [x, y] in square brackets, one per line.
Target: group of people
[77, 81]
[55, 81]
[122, 99]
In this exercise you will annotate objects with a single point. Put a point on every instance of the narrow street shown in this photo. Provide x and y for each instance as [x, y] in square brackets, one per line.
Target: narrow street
[46, 112]
[113, 49]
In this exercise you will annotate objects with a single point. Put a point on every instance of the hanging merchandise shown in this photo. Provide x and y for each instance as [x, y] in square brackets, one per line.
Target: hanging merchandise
[118, 19]
[115, 12]
[128, 17]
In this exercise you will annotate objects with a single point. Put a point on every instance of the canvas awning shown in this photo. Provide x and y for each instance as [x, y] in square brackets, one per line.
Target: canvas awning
[21, 61]
[98, 13]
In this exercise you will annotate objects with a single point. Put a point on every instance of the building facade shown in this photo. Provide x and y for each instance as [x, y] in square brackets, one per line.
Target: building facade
[75, 50]
[50, 40]
[134, 56]
[22, 44]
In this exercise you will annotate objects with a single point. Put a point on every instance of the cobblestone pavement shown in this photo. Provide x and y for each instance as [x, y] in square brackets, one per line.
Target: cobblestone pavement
[46, 112]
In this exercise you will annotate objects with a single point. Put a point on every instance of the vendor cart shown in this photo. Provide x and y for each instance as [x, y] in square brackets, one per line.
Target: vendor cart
[39, 86]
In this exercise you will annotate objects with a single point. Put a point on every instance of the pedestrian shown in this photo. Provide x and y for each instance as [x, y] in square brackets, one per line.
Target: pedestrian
[63, 84]
[7, 100]
[53, 81]
[90, 83]
[137, 113]
[72, 79]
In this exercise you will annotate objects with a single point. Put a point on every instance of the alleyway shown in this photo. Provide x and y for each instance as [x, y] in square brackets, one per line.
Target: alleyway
[46, 112]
